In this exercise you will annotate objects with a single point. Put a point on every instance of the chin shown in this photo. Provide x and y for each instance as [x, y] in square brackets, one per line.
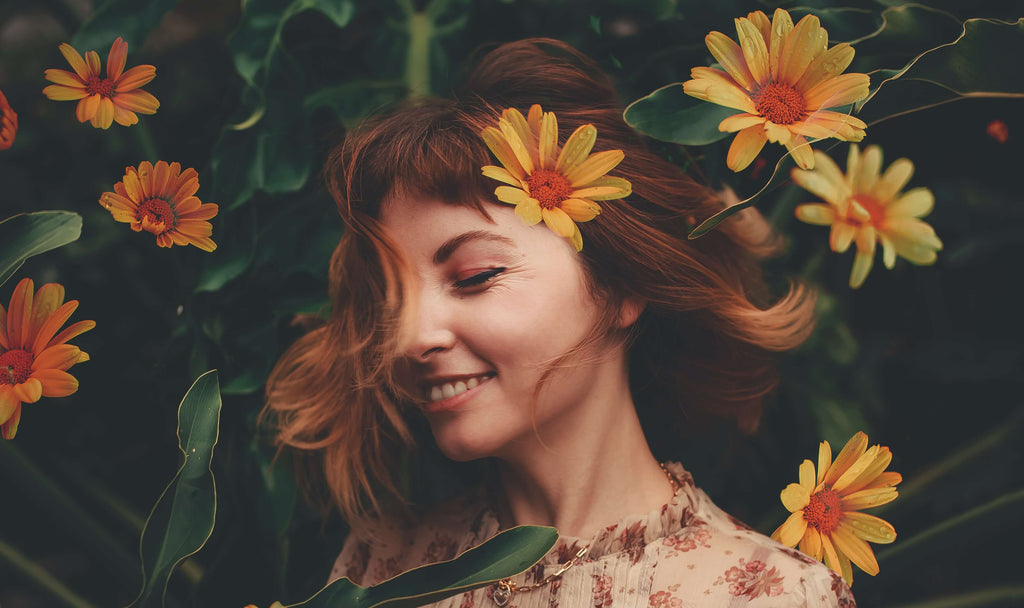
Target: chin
[462, 444]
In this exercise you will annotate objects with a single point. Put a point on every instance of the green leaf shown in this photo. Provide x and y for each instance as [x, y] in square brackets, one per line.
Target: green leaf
[182, 519]
[974, 65]
[278, 487]
[671, 115]
[506, 554]
[129, 19]
[27, 234]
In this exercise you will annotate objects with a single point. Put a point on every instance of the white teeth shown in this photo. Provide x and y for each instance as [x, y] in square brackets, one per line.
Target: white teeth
[448, 389]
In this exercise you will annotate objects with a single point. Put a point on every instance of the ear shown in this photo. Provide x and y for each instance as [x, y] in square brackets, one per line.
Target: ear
[630, 311]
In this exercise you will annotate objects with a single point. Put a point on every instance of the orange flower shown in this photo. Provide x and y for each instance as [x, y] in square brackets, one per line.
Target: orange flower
[161, 199]
[782, 78]
[34, 358]
[103, 100]
[8, 123]
[558, 185]
[826, 518]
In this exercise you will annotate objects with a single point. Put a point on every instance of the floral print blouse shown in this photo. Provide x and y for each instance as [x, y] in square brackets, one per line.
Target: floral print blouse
[687, 554]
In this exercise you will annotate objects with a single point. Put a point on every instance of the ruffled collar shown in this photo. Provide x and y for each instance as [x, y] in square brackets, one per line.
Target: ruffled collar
[631, 533]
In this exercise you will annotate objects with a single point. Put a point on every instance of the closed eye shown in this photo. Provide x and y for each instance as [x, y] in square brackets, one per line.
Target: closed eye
[479, 278]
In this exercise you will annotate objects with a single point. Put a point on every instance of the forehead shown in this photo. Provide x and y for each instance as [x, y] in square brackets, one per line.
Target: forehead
[423, 225]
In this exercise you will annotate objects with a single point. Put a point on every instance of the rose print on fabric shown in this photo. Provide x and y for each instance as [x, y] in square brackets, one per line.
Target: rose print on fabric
[602, 591]
[386, 568]
[689, 540]
[844, 596]
[467, 600]
[665, 599]
[442, 548]
[356, 566]
[752, 579]
[632, 539]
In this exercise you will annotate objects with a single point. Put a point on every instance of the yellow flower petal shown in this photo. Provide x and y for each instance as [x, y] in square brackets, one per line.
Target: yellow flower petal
[29, 391]
[888, 250]
[814, 213]
[64, 77]
[529, 211]
[755, 51]
[502, 175]
[825, 181]
[782, 25]
[777, 134]
[87, 108]
[807, 479]
[870, 165]
[503, 151]
[745, 147]
[577, 148]
[838, 91]
[559, 222]
[830, 555]
[135, 77]
[865, 499]
[59, 92]
[801, 151]
[847, 456]
[596, 165]
[548, 154]
[720, 92]
[580, 210]
[92, 59]
[862, 263]
[730, 56]
[893, 180]
[802, 45]
[56, 383]
[511, 195]
[116, 58]
[914, 203]
[827, 65]
[824, 459]
[622, 186]
[77, 63]
[738, 122]
[795, 497]
[792, 530]
[515, 119]
[811, 543]
[856, 549]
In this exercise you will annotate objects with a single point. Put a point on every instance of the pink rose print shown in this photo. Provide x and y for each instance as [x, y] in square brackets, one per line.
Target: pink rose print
[356, 566]
[602, 591]
[467, 600]
[842, 591]
[664, 599]
[690, 539]
[752, 580]
[632, 539]
[442, 548]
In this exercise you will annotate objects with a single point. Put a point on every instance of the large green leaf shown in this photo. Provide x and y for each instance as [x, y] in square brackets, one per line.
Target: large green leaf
[506, 554]
[671, 115]
[975, 65]
[129, 19]
[182, 519]
[27, 234]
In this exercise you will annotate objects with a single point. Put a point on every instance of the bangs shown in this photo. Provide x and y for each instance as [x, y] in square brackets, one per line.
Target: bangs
[425, 149]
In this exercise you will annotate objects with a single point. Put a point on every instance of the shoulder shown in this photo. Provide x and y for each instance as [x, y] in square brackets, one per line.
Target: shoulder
[720, 560]
[385, 547]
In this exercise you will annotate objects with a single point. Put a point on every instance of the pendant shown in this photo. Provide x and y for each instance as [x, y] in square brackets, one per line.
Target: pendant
[503, 593]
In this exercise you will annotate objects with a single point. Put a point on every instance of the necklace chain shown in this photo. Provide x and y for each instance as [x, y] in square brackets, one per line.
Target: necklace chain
[505, 589]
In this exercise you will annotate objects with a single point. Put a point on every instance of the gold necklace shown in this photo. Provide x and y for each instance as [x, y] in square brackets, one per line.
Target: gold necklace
[505, 589]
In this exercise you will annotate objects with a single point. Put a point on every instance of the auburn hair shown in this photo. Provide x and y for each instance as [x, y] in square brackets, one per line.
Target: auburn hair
[703, 346]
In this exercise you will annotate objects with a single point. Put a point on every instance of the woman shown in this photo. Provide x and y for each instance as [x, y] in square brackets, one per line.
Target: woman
[564, 358]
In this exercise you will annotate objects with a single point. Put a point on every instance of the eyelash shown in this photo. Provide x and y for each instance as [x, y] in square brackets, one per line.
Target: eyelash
[480, 278]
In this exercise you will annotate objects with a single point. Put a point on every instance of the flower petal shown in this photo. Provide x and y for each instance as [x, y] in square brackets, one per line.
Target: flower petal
[137, 101]
[87, 108]
[622, 185]
[528, 210]
[92, 59]
[559, 222]
[56, 383]
[730, 56]
[914, 203]
[811, 543]
[501, 174]
[824, 459]
[515, 119]
[862, 263]
[738, 122]
[511, 195]
[596, 165]
[888, 250]
[838, 91]
[719, 92]
[807, 479]
[71, 331]
[105, 114]
[830, 555]
[782, 25]
[48, 329]
[847, 456]
[64, 77]
[745, 147]
[856, 549]
[893, 180]
[10, 428]
[795, 497]
[791, 530]
[826, 65]
[801, 151]
[816, 213]
[580, 210]
[755, 51]
[124, 117]
[29, 391]
[548, 143]
[134, 78]
[20, 312]
[802, 45]
[841, 236]
[61, 356]
[77, 63]
[825, 181]
[59, 92]
[577, 148]
[865, 499]
[116, 58]
[8, 402]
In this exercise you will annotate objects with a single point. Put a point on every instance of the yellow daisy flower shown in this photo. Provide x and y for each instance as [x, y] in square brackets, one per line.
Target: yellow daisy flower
[867, 207]
[826, 520]
[549, 183]
[782, 78]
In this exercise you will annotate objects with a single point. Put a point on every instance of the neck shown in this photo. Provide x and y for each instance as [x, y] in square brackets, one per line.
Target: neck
[584, 474]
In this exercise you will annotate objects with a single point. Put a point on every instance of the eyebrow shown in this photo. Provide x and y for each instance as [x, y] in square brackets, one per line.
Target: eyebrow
[446, 250]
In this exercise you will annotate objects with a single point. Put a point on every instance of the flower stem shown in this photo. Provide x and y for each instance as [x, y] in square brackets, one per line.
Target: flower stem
[146, 143]
[43, 580]
[420, 26]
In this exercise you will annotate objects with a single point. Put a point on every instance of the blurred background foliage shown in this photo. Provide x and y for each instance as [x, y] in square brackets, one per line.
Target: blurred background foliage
[926, 360]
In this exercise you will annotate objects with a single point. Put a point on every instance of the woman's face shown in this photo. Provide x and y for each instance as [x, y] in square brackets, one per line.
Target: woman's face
[497, 302]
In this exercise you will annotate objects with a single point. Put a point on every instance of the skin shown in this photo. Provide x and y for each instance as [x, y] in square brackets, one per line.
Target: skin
[586, 464]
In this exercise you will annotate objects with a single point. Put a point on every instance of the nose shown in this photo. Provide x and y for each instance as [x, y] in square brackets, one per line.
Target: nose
[431, 332]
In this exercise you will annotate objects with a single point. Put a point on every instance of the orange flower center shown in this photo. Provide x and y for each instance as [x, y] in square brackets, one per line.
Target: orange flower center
[156, 215]
[15, 366]
[823, 511]
[872, 206]
[549, 187]
[99, 86]
[780, 103]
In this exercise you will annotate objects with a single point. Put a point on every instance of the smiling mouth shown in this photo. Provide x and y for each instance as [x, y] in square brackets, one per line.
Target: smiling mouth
[438, 392]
